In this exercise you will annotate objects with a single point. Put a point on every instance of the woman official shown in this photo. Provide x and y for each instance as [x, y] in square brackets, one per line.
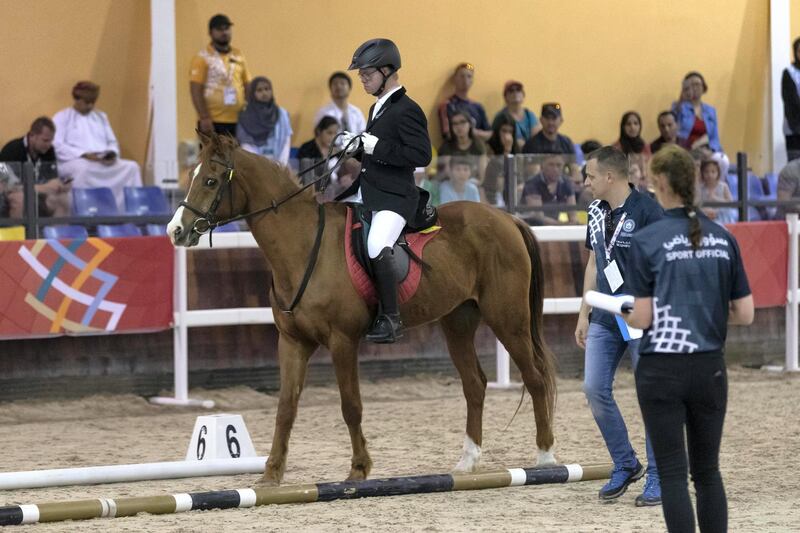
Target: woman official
[687, 277]
[394, 144]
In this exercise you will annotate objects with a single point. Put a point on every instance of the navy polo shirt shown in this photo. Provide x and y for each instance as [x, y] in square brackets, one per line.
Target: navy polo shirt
[691, 289]
[640, 210]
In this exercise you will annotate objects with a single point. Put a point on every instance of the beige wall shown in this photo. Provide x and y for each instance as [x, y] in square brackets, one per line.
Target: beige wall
[599, 58]
[48, 45]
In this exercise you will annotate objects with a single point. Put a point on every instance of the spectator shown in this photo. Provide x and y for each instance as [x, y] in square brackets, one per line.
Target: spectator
[349, 117]
[789, 188]
[527, 124]
[459, 186]
[87, 149]
[37, 148]
[502, 144]
[548, 140]
[423, 182]
[549, 187]
[637, 178]
[218, 80]
[697, 121]
[668, 127]
[462, 80]
[630, 139]
[590, 145]
[464, 143]
[316, 149]
[630, 135]
[713, 189]
[790, 91]
[264, 128]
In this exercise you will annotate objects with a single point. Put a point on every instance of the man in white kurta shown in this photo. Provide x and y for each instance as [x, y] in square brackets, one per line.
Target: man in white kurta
[87, 149]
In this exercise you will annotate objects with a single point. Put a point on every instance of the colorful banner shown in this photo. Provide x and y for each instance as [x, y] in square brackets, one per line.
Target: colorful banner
[85, 286]
[765, 253]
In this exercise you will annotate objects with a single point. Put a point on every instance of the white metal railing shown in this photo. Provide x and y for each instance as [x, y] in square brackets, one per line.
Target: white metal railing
[185, 319]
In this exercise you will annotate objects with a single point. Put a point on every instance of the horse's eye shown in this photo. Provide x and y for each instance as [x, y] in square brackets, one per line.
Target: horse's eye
[210, 182]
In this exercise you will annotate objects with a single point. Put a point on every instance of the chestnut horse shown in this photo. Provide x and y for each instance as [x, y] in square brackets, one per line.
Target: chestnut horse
[484, 264]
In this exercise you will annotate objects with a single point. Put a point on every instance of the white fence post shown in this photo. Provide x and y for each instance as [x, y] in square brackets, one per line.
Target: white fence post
[792, 296]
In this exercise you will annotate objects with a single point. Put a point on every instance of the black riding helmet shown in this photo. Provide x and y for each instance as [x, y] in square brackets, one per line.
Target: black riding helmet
[377, 53]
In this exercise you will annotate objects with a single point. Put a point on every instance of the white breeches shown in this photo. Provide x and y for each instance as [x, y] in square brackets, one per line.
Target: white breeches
[384, 231]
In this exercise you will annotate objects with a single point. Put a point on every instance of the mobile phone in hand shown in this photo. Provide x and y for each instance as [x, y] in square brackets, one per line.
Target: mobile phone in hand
[66, 179]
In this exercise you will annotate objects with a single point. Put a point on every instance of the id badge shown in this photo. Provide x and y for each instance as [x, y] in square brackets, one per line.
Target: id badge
[229, 96]
[613, 276]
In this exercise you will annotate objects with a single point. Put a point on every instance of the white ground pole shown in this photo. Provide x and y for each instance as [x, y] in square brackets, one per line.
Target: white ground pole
[793, 296]
[162, 160]
[780, 44]
[132, 472]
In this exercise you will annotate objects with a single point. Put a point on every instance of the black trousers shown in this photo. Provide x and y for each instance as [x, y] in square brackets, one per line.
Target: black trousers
[224, 128]
[686, 391]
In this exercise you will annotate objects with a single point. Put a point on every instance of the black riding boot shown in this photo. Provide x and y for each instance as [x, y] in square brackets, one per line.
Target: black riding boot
[387, 326]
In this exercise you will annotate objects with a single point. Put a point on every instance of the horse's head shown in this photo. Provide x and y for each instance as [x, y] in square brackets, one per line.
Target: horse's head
[210, 198]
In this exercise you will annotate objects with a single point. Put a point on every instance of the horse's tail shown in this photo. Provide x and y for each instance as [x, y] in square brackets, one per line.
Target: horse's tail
[543, 357]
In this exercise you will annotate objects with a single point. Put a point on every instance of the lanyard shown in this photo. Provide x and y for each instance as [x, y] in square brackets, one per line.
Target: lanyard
[613, 240]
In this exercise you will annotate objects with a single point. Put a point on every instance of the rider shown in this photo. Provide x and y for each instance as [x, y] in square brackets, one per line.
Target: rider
[395, 143]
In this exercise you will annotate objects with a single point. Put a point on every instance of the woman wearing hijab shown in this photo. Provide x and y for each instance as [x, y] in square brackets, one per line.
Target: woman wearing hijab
[263, 127]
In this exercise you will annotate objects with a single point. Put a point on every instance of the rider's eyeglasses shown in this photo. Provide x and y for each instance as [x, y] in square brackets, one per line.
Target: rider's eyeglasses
[366, 73]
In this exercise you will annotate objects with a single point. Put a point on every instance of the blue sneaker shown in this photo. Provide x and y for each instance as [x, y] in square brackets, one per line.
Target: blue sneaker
[620, 479]
[651, 495]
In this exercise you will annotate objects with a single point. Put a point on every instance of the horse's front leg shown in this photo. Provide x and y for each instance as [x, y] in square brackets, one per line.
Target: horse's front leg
[345, 361]
[293, 355]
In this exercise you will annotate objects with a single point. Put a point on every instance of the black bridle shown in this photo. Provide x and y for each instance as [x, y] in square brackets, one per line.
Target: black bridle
[209, 216]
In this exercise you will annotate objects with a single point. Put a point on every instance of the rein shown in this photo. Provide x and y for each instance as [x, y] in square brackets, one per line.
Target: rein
[209, 216]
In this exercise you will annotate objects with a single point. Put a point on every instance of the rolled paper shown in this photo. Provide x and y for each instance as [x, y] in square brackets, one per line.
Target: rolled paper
[613, 304]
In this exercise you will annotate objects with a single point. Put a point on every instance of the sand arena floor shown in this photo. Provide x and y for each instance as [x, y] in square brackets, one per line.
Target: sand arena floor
[414, 426]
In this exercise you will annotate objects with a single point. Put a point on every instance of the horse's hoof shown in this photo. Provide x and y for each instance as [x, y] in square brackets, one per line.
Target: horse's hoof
[267, 482]
[545, 458]
[470, 458]
[358, 473]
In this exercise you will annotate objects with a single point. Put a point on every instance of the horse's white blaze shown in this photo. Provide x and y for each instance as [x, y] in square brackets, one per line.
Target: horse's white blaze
[174, 224]
[471, 456]
[176, 218]
[546, 457]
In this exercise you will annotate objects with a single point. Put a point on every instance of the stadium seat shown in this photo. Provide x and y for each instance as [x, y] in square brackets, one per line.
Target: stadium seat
[93, 202]
[145, 201]
[155, 230]
[65, 232]
[118, 230]
[12, 233]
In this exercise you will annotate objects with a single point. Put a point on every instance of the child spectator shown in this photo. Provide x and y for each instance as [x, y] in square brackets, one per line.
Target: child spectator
[459, 186]
[712, 189]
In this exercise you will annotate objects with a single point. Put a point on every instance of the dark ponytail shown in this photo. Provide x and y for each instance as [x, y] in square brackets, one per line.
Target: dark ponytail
[677, 166]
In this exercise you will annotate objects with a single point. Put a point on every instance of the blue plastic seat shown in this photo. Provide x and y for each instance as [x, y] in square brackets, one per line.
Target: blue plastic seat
[65, 232]
[145, 201]
[118, 230]
[155, 230]
[93, 202]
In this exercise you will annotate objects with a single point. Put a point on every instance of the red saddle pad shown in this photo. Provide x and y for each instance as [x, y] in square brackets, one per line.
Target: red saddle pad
[361, 280]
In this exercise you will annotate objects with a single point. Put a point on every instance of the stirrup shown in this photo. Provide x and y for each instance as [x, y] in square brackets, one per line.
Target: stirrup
[385, 330]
